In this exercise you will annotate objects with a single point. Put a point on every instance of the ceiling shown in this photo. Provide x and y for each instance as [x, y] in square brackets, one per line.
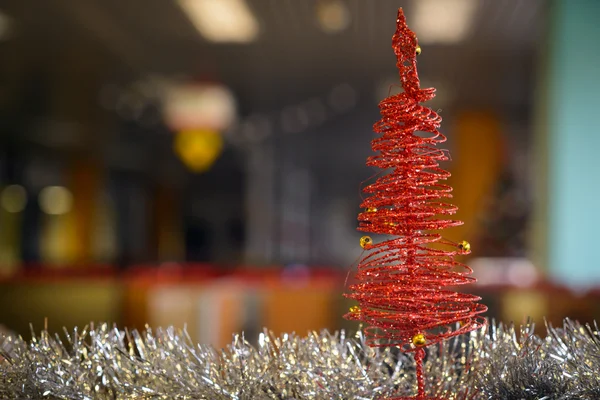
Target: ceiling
[292, 61]
[292, 54]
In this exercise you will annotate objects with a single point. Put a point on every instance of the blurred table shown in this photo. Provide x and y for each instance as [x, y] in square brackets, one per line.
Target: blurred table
[213, 303]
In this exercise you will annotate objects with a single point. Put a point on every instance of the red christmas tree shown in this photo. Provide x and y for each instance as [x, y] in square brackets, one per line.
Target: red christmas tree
[402, 282]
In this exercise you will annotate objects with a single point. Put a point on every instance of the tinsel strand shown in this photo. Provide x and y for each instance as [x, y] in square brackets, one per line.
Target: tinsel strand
[103, 363]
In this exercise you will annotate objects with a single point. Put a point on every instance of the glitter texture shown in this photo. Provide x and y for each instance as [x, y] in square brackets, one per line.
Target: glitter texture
[104, 363]
[401, 280]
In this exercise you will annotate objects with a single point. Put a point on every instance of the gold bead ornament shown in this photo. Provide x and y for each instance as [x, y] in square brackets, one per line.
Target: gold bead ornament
[419, 340]
[464, 246]
[365, 241]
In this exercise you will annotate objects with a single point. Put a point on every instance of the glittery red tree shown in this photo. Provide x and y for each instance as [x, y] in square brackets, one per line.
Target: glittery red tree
[403, 279]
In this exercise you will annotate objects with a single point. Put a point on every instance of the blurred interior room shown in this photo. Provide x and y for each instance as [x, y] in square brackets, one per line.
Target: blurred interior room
[199, 163]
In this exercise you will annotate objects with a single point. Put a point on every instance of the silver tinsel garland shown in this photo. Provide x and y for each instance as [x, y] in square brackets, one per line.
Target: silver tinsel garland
[107, 363]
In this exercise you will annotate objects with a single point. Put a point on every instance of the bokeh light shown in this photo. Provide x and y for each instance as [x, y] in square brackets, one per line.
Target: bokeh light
[13, 198]
[55, 200]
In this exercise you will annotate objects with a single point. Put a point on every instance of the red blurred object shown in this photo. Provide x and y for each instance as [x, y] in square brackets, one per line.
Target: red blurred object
[41, 273]
[401, 280]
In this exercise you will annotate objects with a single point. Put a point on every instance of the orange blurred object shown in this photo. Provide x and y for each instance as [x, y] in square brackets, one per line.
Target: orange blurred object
[198, 148]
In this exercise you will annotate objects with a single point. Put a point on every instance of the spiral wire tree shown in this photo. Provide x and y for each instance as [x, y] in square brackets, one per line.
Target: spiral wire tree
[402, 281]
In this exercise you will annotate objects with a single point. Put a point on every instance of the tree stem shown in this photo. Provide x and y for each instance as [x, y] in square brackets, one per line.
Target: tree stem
[419, 356]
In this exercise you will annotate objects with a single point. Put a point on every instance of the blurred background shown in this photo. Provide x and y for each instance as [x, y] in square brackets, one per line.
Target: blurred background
[199, 162]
